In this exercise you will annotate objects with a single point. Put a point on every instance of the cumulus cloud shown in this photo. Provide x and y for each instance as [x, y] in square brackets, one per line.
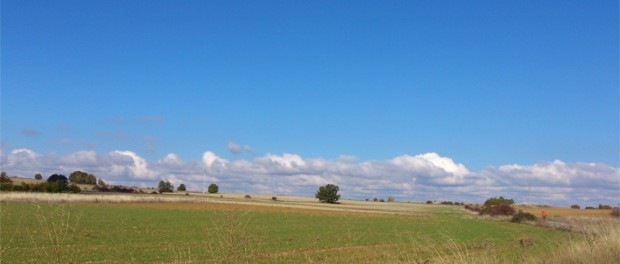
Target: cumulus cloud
[422, 177]
[248, 149]
[233, 147]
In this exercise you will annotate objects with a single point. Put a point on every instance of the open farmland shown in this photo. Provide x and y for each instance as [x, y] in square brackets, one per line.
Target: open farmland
[213, 229]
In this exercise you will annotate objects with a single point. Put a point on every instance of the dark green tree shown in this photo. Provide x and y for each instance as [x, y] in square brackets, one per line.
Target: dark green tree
[328, 193]
[80, 177]
[495, 201]
[181, 187]
[213, 188]
[100, 183]
[38, 176]
[5, 178]
[58, 178]
[165, 186]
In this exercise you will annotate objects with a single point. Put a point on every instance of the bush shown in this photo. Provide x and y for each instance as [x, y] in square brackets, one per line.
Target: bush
[429, 202]
[38, 176]
[182, 188]
[73, 188]
[153, 192]
[367, 200]
[273, 198]
[391, 199]
[473, 208]
[590, 208]
[615, 212]
[575, 206]
[247, 196]
[447, 203]
[381, 200]
[522, 216]
[328, 193]
[375, 199]
[213, 188]
[499, 209]
[604, 206]
[500, 200]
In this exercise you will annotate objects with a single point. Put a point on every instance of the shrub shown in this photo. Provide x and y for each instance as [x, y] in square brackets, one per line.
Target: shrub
[73, 188]
[375, 199]
[247, 196]
[153, 192]
[273, 198]
[381, 200]
[522, 216]
[447, 203]
[615, 212]
[473, 208]
[38, 176]
[429, 202]
[367, 200]
[604, 206]
[213, 188]
[575, 206]
[391, 199]
[499, 209]
[590, 208]
[182, 188]
[500, 200]
[328, 193]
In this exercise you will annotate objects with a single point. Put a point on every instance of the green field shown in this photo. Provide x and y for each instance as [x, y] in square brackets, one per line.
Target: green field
[198, 233]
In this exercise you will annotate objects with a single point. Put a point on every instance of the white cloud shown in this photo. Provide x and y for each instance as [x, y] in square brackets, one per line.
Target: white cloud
[428, 176]
[248, 149]
[233, 147]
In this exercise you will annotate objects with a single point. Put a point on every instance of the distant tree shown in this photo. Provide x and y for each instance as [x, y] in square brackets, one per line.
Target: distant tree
[391, 199]
[58, 178]
[500, 200]
[213, 188]
[575, 206]
[165, 186]
[604, 206]
[80, 177]
[100, 183]
[4, 178]
[38, 176]
[429, 202]
[328, 193]
[181, 188]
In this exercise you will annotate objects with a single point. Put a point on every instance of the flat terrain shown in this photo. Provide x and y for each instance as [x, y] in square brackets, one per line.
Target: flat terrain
[197, 229]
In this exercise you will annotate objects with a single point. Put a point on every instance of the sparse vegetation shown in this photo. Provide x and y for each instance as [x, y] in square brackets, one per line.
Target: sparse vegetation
[391, 199]
[575, 206]
[615, 211]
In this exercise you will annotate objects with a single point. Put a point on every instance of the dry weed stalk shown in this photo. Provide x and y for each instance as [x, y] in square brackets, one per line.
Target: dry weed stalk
[231, 234]
[57, 224]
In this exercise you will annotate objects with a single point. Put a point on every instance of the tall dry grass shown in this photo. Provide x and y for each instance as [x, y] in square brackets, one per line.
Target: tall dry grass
[57, 224]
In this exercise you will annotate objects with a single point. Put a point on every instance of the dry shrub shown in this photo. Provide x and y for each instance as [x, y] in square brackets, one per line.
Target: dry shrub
[498, 209]
[233, 235]
[57, 224]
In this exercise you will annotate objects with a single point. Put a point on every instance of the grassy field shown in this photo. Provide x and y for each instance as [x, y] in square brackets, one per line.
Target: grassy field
[251, 232]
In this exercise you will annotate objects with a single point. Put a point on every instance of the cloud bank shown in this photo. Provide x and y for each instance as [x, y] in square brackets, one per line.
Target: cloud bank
[422, 177]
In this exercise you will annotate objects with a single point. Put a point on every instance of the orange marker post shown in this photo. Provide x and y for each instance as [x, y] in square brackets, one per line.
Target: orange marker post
[544, 214]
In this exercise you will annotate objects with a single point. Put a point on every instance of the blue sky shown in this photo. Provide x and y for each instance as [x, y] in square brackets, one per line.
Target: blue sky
[488, 83]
